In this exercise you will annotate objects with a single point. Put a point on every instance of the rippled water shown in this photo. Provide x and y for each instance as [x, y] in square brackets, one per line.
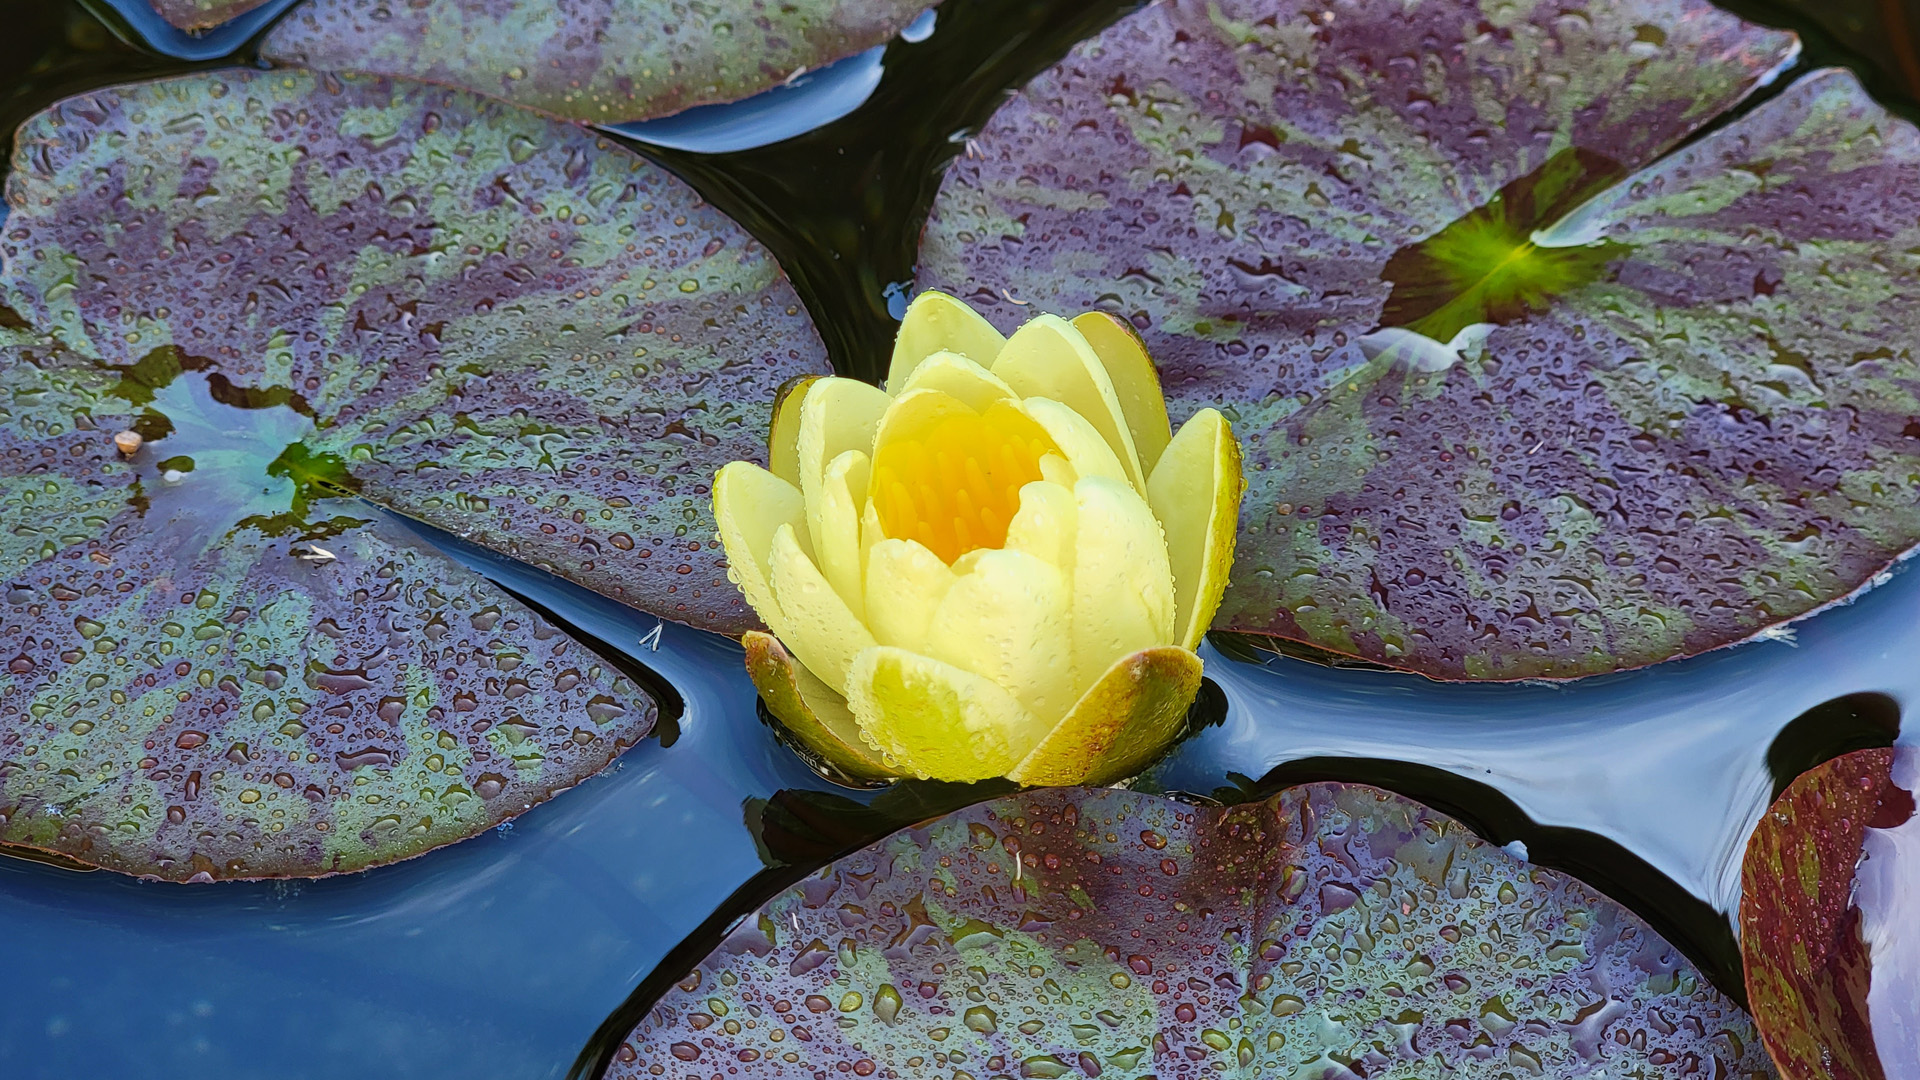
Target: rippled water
[502, 956]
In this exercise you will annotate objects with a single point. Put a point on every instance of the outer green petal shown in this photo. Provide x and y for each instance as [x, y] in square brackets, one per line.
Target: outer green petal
[810, 711]
[1120, 725]
[783, 438]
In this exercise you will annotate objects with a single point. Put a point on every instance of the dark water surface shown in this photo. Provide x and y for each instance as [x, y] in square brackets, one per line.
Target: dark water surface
[504, 955]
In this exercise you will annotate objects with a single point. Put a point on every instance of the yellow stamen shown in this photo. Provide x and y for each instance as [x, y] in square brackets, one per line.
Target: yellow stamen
[957, 486]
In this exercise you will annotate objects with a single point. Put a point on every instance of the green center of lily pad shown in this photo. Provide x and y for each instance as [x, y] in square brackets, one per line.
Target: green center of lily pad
[217, 456]
[1491, 267]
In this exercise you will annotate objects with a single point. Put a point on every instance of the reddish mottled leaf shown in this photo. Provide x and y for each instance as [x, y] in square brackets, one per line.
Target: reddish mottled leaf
[1520, 397]
[1334, 931]
[1827, 948]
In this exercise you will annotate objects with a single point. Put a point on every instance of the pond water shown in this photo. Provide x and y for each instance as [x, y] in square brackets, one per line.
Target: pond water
[528, 952]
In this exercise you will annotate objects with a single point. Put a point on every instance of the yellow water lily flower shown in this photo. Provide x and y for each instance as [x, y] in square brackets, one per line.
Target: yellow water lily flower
[999, 565]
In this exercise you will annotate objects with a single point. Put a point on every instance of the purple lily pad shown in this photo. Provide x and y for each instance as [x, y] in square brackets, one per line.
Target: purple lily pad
[597, 61]
[1827, 918]
[322, 302]
[202, 14]
[1520, 397]
[1334, 931]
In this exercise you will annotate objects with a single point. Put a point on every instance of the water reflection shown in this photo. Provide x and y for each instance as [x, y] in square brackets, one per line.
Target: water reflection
[809, 100]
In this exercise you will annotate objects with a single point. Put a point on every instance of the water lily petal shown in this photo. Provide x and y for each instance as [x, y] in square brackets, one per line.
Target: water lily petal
[1085, 450]
[1047, 357]
[835, 521]
[751, 504]
[820, 629]
[1006, 619]
[1195, 492]
[871, 531]
[1054, 469]
[813, 714]
[1122, 586]
[837, 415]
[913, 412]
[951, 373]
[1123, 721]
[936, 721]
[783, 439]
[936, 322]
[1045, 523]
[1135, 382]
[905, 584]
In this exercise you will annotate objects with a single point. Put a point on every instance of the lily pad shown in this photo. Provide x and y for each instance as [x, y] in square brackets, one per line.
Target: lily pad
[510, 328]
[239, 673]
[1827, 922]
[598, 61]
[1520, 396]
[202, 14]
[326, 306]
[1334, 931]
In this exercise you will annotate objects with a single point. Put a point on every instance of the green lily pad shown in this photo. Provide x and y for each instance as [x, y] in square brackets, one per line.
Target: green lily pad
[202, 14]
[1520, 396]
[326, 306]
[598, 61]
[1334, 931]
[1825, 944]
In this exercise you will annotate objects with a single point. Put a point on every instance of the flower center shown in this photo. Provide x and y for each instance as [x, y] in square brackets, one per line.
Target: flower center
[956, 485]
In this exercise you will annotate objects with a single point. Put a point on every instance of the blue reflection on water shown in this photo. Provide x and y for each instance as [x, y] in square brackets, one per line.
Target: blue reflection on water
[810, 100]
[163, 37]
